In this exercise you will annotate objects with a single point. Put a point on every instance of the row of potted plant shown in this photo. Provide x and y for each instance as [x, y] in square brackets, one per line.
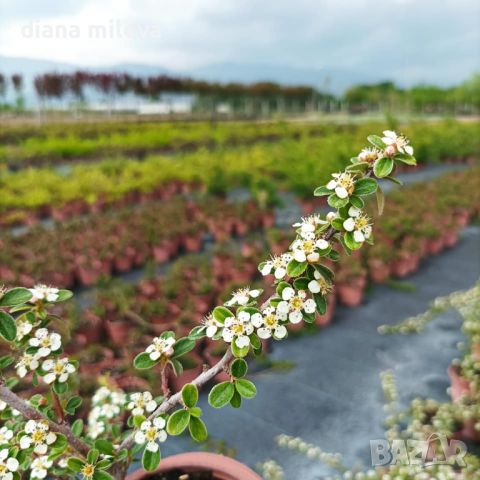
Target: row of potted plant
[83, 250]
[49, 143]
[261, 168]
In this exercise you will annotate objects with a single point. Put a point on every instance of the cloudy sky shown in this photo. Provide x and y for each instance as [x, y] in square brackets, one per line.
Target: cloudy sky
[411, 40]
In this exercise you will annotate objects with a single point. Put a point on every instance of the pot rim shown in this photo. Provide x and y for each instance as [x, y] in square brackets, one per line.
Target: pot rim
[225, 468]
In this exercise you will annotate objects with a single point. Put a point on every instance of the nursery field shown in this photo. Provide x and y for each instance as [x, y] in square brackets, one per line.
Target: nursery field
[154, 224]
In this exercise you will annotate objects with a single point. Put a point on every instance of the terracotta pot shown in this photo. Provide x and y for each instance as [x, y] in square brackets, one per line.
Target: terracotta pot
[223, 468]
[469, 432]
[122, 264]
[192, 244]
[460, 386]
[434, 246]
[161, 253]
[476, 350]
[379, 271]
[401, 268]
[350, 294]
[118, 332]
[88, 276]
[450, 239]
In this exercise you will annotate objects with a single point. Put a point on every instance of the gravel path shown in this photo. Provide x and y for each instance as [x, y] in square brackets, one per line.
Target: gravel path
[332, 397]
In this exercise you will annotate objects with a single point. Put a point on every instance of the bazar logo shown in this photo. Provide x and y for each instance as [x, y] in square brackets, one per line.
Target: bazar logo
[435, 450]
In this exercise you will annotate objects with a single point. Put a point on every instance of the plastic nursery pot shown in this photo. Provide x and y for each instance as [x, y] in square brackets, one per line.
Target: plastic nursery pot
[220, 467]
[350, 294]
[379, 271]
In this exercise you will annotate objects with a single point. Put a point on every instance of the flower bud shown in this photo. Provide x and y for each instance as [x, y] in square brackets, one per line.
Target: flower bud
[390, 151]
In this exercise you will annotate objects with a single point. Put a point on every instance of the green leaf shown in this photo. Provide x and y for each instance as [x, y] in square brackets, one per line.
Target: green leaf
[295, 269]
[301, 283]
[380, 200]
[197, 332]
[198, 430]
[221, 394]
[178, 422]
[143, 361]
[63, 295]
[239, 352]
[5, 361]
[8, 327]
[350, 242]
[365, 186]
[221, 313]
[383, 167]
[376, 141]
[239, 368]
[325, 272]
[15, 296]
[394, 180]
[183, 346]
[357, 167]
[77, 427]
[72, 405]
[337, 202]
[177, 367]
[75, 464]
[150, 460]
[189, 395]
[321, 191]
[357, 201]
[59, 388]
[101, 475]
[104, 464]
[321, 303]
[281, 286]
[104, 446]
[245, 388]
[195, 411]
[92, 455]
[406, 158]
[236, 400]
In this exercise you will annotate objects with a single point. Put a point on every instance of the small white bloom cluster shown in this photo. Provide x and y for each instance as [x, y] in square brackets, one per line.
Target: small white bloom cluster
[43, 293]
[309, 244]
[8, 465]
[395, 144]
[160, 347]
[358, 223]
[150, 433]
[343, 184]
[38, 434]
[277, 265]
[293, 303]
[243, 296]
[107, 405]
[40, 467]
[139, 403]
[46, 343]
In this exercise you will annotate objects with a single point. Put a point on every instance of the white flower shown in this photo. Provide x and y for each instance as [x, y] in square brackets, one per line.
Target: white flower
[331, 216]
[141, 402]
[5, 435]
[278, 264]
[37, 434]
[370, 155]
[359, 224]
[398, 142]
[46, 341]
[160, 346]
[342, 183]
[239, 328]
[319, 285]
[7, 465]
[242, 297]
[42, 292]
[306, 250]
[106, 405]
[150, 433]
[23, 329]
[293, 303]
[212, 325]
[40, 467]
[58, 369]
[308, 225]
[95, 429]
[27, 362]
[269, 325]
